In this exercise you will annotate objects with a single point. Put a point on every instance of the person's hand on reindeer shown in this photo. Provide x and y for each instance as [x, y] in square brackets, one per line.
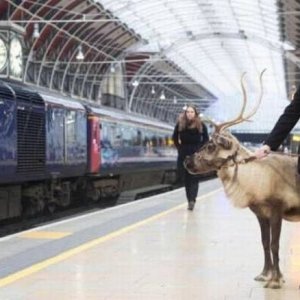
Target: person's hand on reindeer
[262, 151]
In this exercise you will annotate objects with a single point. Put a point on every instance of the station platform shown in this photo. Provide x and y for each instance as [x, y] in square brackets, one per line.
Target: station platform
[148, 249]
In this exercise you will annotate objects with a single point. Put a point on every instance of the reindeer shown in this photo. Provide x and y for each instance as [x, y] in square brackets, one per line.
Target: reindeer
[270, 187]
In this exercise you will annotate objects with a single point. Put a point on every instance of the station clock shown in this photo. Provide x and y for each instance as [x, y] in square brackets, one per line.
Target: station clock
[11, 50]
[3, 54]
[16, 58]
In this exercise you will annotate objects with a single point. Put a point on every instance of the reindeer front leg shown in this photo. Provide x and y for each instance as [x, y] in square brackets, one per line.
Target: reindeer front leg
[266, 273]
[275, 222]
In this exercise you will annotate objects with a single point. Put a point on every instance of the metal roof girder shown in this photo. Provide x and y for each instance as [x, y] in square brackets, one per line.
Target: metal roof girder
[87, 51]
[112, 60]
[65, 45]
[107, 53]
[95, 76]
[44, 28]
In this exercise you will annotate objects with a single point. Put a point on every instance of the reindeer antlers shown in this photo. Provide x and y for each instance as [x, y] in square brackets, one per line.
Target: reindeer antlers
[240, 118]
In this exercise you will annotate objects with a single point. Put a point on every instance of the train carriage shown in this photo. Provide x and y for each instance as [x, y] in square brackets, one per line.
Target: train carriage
[130, 142]
[128, 157]
[55, 151]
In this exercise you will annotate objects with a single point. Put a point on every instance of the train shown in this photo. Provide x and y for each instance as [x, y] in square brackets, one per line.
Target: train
[56, 151]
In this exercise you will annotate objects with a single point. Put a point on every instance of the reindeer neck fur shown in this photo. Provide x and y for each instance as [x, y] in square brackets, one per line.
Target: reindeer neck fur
[228, 173]
[240, 156]
[244, 155]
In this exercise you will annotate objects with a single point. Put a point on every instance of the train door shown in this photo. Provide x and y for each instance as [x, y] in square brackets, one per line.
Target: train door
[93, 144]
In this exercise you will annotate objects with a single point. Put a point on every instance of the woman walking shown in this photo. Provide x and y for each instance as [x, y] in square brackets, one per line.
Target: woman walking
[189, 135]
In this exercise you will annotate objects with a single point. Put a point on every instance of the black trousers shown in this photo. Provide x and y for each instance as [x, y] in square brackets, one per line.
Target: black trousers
[191, 182]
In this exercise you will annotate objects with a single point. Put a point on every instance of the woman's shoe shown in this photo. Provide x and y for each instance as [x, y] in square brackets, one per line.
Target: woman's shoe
[191, 205]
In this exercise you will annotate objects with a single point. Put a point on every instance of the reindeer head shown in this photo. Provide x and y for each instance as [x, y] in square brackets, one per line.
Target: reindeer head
[223, 147]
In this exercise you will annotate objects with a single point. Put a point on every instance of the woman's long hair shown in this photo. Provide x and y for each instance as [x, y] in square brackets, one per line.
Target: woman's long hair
[185, 123]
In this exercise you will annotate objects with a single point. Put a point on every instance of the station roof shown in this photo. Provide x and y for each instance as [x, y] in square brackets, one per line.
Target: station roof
[173, 52]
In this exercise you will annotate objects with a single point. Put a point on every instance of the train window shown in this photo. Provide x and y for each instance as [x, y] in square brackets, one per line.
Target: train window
[116, 136]
[70, 123]
[160, 141]
[80, 119]
[154, 141]
[138, 138]
[104, 130]
[110, 132]
[128, 135]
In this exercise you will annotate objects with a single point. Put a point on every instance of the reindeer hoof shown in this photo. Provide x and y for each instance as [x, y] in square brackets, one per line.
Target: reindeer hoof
[262, 278]
[273, 285]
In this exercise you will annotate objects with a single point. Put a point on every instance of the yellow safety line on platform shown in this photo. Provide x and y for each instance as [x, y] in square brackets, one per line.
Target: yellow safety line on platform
[51, 235]
[64, 255]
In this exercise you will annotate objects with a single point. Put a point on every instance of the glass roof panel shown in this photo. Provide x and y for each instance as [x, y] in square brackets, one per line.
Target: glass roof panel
[215, 42]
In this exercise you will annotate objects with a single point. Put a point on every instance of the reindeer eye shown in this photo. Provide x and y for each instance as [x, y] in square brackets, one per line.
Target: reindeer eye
[224, 142]
[211, 147]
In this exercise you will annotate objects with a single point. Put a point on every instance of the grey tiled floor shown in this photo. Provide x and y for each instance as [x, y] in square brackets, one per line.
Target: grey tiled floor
[213, 252]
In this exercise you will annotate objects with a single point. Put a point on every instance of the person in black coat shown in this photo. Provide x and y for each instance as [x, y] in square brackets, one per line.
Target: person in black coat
[282, 128]
[189, 135]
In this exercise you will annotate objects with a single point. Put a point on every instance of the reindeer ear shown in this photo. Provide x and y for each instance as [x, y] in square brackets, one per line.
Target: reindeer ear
[225, 143]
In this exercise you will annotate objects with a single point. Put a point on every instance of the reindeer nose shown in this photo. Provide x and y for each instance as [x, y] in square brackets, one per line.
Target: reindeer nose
[188, 161]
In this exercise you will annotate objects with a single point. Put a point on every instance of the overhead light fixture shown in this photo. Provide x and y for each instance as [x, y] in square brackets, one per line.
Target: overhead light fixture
[152, 90]
[36, 31]
[190, 35]
[184, 107]
[112, 68]
[242, 34]
[162, 95]
[135, 83]
[80, 55]
[175, 100]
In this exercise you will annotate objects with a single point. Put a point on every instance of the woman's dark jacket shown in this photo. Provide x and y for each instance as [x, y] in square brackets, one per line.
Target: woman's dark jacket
[285, 123]
[189, 140]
